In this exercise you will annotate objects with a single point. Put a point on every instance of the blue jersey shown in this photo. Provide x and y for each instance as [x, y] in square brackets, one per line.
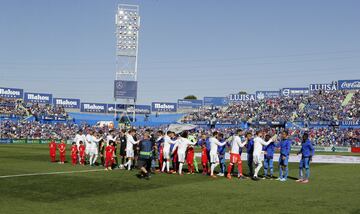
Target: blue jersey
[285, 147]
[307, 149]
[250, 147]
[270, 150]
[159, 142]
[171, 146]
[222, 149]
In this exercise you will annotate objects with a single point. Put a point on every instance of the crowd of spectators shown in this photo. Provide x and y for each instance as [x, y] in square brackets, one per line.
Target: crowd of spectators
[17, 108]
[39, 110]
[320, 106]
[12, 107]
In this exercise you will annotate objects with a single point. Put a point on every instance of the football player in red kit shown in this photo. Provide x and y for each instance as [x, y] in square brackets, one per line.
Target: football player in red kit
[52, 148]
[62, 151]
[190, 159]
[74, 154]
[109, 153]
[204, 159]
[82, 153]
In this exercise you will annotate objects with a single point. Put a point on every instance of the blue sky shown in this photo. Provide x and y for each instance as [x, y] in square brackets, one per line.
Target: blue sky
[202, 47]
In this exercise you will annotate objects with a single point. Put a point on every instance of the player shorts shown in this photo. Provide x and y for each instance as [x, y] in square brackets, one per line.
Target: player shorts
[257, 159]
[214, 158]
[304, 163]
[93, 151]
[235, 158]
[285, 161]
[181, 157]
[122, 151]
[166, 155]
[130, 153]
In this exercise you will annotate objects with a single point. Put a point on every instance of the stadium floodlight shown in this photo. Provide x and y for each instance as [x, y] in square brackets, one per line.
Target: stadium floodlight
[127, 23]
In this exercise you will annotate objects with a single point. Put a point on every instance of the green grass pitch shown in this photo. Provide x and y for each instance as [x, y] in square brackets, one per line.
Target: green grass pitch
[334, 188]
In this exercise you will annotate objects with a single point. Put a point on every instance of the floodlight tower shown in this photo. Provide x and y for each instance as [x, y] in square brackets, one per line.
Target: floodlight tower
[127, 22]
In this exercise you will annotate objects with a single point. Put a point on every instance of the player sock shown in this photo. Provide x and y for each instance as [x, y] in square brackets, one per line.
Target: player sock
[91, 160]
[213, 166]
[240, 169]
[229, 168]
[168, 166]
[180, 168]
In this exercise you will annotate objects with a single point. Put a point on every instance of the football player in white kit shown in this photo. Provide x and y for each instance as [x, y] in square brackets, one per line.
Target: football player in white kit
[166, 150]
[94, 149]
[181, 144]
[235, 157]
[214, 158]
[130, 142]
[258, 146]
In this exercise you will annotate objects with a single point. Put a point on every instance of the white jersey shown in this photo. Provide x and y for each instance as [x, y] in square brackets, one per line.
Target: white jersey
[167, 142]
[236, 144]
[94, 142]
[182, 144]
[88, 140]
[258, 144]
[110, 138]
[130, 143]
[214, 143]
[79, 138]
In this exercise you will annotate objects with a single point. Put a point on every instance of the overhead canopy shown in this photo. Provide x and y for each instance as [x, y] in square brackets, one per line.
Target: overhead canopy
[178, 128]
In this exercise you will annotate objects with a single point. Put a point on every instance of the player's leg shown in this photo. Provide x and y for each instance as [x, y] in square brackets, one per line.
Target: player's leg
[280, 168]
[250, 161]
[222, 165]
[96, 154]
[285, 168]
[214, 163]
[239, 164]
[301, 175]
[258, 165]
[266, 165]
[230, 166]
[271, 166]
[91, 155]
[195, 164]
[307, 170]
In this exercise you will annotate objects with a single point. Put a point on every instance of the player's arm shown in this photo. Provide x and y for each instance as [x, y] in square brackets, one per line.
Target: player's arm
[219, 143]
[132, 141]
[191, 143]
[241, 144]
[97, 140]
[265, 143]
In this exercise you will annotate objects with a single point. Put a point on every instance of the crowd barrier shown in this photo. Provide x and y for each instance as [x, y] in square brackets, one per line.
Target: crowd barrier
[31, 141]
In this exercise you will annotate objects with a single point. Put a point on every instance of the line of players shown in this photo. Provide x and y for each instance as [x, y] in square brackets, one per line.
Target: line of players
[179, 150]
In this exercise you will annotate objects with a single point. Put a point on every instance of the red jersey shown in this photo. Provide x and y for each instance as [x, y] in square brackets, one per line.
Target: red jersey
[62, 147]
[204, 157]
[82, 150]
[109, 151]
[74, 150]
[52, 146]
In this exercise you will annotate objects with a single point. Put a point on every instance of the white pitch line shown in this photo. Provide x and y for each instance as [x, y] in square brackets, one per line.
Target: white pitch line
[50, 173]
